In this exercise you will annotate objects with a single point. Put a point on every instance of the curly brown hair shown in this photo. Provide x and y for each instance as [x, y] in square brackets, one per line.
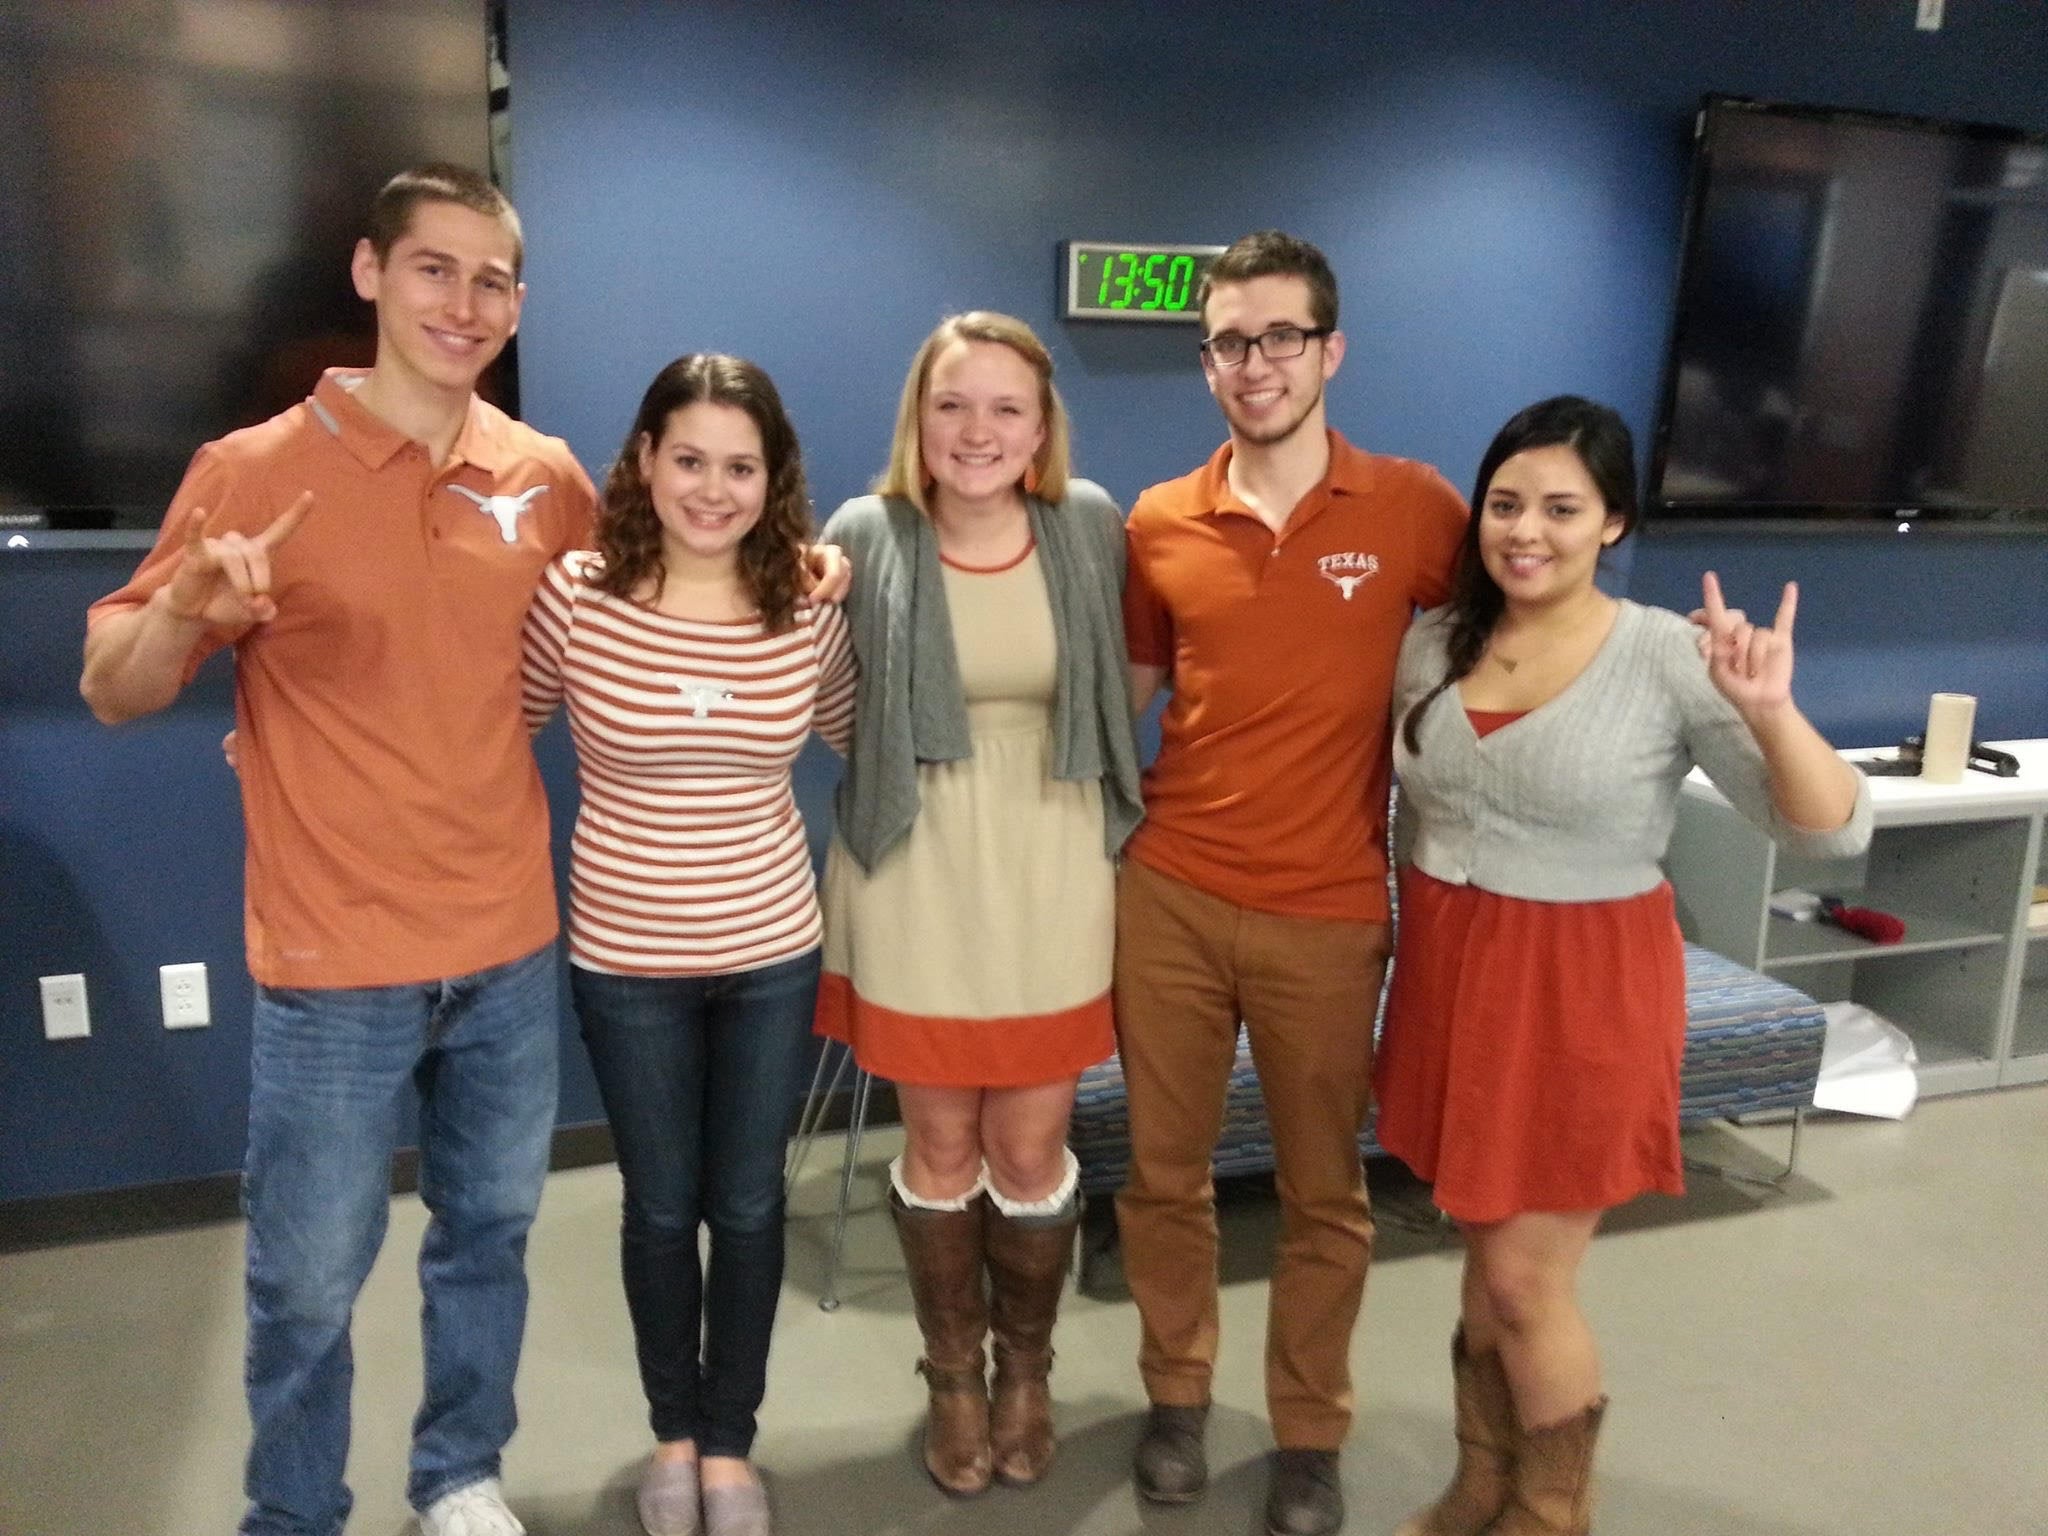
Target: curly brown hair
[772, 553]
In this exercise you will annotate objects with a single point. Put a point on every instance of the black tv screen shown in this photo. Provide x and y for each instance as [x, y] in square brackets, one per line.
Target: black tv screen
[180, 190]
[1862, 321]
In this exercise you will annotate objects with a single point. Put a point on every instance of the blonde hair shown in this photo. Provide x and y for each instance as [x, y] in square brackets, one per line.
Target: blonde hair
[1051, 467]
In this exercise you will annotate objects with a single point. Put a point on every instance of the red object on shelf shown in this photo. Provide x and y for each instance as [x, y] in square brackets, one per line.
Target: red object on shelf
[1864, 922]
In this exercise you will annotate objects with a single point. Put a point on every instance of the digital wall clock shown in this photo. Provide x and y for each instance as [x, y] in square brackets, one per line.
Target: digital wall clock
[1105, 280]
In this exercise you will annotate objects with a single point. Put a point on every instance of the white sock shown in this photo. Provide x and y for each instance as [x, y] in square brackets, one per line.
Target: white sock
[959, 1202]
[1054, 1205]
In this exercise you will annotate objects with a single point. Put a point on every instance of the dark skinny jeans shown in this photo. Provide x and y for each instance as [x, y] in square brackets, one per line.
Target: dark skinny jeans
[700, 1077]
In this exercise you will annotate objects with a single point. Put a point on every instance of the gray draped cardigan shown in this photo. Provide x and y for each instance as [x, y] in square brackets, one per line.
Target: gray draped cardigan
[909, 707]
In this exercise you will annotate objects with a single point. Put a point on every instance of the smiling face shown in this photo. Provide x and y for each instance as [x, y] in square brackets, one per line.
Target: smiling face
[981, 423]
[1266, 401]
[708, 479]
[1542, 525]
[447, 295]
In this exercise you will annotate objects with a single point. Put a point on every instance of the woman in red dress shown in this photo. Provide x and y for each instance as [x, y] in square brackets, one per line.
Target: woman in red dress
[1529, 1064]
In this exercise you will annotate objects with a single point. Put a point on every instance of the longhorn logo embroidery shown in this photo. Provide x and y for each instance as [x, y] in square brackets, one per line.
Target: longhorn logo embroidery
[1348, 570]
[701, 696]
[503, 510]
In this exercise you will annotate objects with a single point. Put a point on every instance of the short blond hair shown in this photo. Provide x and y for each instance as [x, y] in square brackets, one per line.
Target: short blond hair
[1051, 467]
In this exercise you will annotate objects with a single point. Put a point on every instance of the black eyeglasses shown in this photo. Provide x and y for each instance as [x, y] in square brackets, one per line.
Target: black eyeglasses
[1283, 341]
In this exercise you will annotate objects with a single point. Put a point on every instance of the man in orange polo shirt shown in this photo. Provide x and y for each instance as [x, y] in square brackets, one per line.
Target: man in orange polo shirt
[1270, 589]
[369, 555]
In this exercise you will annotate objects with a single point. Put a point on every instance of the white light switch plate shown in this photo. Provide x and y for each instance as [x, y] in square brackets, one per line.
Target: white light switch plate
[65, 1016]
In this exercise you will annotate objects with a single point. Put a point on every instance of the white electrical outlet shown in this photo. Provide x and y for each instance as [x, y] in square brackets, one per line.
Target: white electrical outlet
[1927, 16]
[185, 1001]
[65, 1016]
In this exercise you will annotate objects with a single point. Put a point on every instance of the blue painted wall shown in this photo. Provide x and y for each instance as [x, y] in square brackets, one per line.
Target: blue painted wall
[1498, 186]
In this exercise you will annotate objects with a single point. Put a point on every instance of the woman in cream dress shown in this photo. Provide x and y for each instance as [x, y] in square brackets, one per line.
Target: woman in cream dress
[969, 893]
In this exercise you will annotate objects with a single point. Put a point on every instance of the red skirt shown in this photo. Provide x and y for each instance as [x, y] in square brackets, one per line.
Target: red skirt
[1531, 1051]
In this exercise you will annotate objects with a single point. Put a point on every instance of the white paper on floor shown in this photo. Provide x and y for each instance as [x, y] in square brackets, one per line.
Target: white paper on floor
[1866, 1067]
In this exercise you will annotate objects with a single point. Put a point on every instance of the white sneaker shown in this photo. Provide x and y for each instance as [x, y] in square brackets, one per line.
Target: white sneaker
[478, 1510]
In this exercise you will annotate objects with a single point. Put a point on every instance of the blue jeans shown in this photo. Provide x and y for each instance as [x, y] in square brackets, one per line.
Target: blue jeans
[700, 1076]
[331, 1071]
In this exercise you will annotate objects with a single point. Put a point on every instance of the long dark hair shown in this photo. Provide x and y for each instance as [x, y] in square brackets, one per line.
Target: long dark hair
[771, 554]
[1601, 439]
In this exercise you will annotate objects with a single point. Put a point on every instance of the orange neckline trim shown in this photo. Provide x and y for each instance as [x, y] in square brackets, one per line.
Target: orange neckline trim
[990, 570]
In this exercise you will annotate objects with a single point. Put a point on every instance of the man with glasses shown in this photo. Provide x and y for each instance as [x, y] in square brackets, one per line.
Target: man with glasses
[1270, 590]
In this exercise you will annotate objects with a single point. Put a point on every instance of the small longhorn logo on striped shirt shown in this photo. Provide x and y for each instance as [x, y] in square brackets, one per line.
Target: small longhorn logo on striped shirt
[701, 696]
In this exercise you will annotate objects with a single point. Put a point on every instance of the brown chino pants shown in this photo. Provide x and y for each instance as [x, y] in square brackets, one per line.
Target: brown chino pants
[1189, 966]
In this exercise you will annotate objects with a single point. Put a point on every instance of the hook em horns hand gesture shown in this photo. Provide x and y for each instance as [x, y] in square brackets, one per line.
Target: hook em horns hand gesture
[1751, 664]
[224, 578]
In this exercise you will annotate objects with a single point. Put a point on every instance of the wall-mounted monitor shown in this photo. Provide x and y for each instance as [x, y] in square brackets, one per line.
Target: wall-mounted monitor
[180, 188]
[1861, 330]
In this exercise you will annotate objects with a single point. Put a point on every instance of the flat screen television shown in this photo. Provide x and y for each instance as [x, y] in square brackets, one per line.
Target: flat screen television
[1861, 330]
[180, 189]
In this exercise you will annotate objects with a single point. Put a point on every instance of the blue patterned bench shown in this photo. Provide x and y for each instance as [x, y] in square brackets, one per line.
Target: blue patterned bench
[1752, 1043]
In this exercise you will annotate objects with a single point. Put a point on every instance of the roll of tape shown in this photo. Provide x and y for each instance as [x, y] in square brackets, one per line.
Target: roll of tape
[1950, 718]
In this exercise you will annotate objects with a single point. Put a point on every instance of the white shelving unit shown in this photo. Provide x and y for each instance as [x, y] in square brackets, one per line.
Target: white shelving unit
[1957, 863]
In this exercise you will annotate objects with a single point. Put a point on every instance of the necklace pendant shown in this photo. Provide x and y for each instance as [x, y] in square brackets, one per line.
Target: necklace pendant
[1506, 665]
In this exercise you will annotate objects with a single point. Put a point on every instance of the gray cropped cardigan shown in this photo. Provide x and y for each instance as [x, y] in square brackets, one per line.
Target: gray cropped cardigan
[909, 707]
[1575, 800]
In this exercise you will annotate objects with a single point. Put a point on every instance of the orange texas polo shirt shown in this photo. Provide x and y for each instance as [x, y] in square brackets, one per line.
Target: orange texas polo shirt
[397, 827]
[1270, 788]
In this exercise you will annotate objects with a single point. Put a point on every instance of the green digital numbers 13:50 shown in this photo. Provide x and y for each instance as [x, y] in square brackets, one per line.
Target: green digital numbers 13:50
[1103, 280]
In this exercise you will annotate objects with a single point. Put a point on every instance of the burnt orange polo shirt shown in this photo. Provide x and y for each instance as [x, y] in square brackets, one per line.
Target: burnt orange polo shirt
[1270, 788]
[397, 827]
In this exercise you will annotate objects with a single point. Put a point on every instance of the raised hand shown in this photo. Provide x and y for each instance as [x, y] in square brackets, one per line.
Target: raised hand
[224, 578]
[1751, 664]
[828, 574]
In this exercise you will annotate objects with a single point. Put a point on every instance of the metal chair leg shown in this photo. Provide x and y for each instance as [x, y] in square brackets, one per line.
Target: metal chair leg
[1775, 1181]
[813, 1114]
[863, 1085]
[1792, 1152]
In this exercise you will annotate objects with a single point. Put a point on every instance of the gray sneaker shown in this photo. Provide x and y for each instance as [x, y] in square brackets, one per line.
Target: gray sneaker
[738, 1510]
[667, 1499]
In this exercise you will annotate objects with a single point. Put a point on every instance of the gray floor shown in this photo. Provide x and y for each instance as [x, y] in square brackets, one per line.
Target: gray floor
[1866, 1352]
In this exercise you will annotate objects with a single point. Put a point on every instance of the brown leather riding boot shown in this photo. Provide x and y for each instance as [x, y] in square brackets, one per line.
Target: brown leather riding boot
[943, 1253]
[1478, 1490]
[1553, 1478]
[1028, 1259]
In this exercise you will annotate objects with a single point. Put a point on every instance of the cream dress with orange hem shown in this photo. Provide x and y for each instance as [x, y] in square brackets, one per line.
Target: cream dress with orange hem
[977, 953]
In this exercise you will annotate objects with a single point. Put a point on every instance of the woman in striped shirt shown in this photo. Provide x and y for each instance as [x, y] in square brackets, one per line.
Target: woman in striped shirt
[693, 670]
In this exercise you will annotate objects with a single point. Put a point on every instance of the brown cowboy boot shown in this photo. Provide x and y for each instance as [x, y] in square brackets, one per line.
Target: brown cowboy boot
[943, 1252]
[1028, 1258]
[1478, 1490]
[1553, 1478]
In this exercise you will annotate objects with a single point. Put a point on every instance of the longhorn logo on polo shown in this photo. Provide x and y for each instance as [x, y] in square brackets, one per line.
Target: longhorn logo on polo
[1348, 569]
[502, 510]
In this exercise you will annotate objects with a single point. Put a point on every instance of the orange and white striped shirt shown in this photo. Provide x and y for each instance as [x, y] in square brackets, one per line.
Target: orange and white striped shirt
[689, 857]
